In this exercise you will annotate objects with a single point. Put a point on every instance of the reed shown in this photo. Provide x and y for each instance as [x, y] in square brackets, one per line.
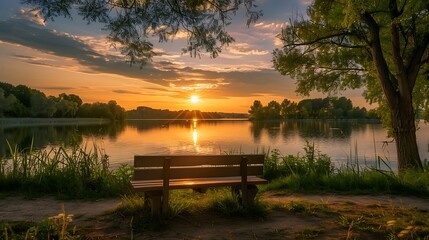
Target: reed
[79, 172]
[314, 172]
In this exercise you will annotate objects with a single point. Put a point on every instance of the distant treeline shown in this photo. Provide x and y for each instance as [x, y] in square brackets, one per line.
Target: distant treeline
[318, 108]
[150, 113]
[22, 101]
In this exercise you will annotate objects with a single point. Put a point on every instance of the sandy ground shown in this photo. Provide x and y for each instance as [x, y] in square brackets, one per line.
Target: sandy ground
[277, 225]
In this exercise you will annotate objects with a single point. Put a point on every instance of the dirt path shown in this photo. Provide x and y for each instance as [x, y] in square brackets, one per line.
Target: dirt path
[20, 209]
[363, 200]
[277, 225]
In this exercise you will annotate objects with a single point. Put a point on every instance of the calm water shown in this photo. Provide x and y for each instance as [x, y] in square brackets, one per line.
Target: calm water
[339, 140]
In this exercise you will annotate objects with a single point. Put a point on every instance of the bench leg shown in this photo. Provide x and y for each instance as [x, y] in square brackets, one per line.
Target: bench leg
[252, 190]
[153, 199]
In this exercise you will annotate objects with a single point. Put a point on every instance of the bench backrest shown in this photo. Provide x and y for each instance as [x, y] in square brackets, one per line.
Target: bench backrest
[197, 166]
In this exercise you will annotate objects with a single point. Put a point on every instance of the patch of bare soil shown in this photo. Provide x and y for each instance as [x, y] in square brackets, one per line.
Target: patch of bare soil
[35, 210]
[278, 224]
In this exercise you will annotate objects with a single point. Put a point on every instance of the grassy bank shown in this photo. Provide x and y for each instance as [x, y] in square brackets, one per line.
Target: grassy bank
[84, 172]
[313, 172]
[79, 172]
[20, 122]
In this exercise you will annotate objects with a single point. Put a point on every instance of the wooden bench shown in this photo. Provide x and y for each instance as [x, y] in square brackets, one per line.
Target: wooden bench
[157, 175]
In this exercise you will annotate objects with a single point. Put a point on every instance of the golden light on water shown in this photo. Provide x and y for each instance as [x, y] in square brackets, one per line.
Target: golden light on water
[194, 132]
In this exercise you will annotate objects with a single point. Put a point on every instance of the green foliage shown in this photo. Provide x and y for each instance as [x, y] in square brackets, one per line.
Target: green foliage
[150, 113]
[318, 108]
[78, 172]
[380, 45]
[314, 172]
[21, 101]
[311, 164]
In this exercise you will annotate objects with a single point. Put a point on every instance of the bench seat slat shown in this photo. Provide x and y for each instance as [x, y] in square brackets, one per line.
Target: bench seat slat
[193, 160]
[153, 185]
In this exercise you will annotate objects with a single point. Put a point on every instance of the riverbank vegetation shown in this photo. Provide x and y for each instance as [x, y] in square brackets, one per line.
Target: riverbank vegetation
[314, 172]
[317, 108]
[22, 101]
[84, 172]
[77, 172]
[150, 113]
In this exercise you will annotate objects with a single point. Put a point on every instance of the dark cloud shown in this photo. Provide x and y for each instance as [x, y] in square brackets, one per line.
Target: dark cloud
[23, 32]
[57, 88]
[126, 92]
[22, 56]
[40, 63]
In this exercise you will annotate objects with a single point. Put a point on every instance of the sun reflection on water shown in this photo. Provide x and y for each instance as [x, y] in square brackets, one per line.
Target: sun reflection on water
[194, 132]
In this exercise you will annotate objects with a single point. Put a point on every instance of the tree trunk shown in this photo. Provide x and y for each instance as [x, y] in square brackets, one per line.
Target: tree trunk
[404, 133]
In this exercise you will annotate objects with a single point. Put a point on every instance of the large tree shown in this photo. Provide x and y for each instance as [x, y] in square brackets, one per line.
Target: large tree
[379, 44]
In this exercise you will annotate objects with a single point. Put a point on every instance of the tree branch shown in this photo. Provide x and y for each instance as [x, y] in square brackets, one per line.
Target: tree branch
[387, 83]
[317, 40]
[396, 46]
[416, 62]
[343, 69]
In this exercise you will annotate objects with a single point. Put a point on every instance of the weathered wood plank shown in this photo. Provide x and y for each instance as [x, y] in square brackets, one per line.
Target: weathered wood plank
[194, 160]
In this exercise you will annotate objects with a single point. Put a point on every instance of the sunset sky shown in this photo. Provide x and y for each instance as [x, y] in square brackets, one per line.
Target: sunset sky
[73, 57]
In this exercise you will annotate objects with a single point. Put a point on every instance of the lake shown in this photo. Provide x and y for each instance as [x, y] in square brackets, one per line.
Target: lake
[344, 141]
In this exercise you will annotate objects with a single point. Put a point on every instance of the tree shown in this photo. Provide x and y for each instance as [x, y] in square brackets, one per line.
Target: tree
[41, 106]
[382, 45]
[6, 103]
[272, 110]
[256, 110]
[132, 22]
[288, 109]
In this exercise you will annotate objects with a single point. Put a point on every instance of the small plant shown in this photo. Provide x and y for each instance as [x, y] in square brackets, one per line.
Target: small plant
[55, 227]
[58, 226]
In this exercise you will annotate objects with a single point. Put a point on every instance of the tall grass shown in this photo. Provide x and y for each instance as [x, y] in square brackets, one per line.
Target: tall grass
[312, 163]
[78, 172]
[314, 172]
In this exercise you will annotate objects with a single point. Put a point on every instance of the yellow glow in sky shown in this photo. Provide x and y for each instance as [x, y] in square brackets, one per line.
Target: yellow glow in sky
[195, 99]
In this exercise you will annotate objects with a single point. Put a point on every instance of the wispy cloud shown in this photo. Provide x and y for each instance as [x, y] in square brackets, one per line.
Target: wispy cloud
[245, 49]
[272, 26]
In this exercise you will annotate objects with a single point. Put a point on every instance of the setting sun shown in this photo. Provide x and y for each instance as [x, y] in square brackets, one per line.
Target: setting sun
[195, 98]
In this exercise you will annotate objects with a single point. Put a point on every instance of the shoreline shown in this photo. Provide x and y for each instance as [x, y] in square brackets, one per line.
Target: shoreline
[28, 122]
